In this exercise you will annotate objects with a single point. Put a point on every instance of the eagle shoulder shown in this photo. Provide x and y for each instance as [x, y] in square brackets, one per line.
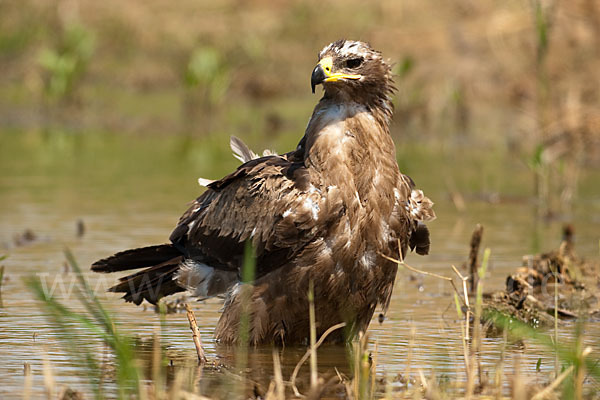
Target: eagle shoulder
[270, 201]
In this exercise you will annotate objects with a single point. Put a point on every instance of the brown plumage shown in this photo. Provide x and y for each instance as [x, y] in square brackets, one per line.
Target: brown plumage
[326, 212]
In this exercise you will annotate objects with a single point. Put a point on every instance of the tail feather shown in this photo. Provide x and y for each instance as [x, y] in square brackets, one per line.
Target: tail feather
[151, 283]
[136, 258]
[419, 239]
[161, 265]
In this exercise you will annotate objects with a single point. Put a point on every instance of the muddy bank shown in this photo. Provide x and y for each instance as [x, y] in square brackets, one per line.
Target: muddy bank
[556, 284]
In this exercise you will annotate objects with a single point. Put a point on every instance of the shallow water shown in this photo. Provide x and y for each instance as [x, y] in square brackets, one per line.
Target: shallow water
[130, 193]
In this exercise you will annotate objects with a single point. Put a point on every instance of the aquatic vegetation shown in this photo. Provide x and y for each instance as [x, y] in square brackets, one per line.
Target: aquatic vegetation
[96, 322]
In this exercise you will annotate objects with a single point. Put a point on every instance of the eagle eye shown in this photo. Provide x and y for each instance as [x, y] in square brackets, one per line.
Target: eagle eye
[354, 62]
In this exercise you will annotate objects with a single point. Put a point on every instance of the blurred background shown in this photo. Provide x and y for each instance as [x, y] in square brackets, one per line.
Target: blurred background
[110, 111]
[512, 77]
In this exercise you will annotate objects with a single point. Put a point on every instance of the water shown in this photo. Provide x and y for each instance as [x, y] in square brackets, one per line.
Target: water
[130, 193]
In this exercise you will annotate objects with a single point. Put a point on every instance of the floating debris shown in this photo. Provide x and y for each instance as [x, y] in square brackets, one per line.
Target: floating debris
[70, 394]
[174, 306]
[25, 238]
[80, 228]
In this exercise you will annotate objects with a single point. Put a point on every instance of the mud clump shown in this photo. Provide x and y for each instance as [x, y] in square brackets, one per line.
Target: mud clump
[557, 283]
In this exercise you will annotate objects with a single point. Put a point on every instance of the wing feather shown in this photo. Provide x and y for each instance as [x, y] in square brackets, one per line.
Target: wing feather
[240, 150]
[268, 200]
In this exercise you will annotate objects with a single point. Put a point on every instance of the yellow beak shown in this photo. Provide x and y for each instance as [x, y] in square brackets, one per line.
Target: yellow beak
[323, 72]
[327, 64]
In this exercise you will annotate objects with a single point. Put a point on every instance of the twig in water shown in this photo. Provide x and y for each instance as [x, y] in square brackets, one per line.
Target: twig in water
[196, 335]
[307, 354]
[464, 323]
[464, 282]
[418, 271]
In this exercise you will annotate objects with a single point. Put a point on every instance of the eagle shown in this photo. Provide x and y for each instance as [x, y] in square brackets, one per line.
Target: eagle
[326, 216]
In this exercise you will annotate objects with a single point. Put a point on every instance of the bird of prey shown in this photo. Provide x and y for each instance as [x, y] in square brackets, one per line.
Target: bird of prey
[323, 216]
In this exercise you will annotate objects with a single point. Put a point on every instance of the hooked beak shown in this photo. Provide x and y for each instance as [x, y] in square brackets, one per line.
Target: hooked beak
[317, 77]
[323, 73]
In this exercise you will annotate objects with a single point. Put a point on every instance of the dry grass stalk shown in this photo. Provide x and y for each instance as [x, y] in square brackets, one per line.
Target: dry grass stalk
[411, 345]
[401, 262]
[464, 326]
[196, 335]
[308, 353]
[374, 370]
[499, 376]
[361, 365]
[581, 371]
[476, 342]
[314, 375]
[548, 391]
[156, 361]
[518, 385]
[270, 395]
[556, 363]
[27, 381]
[49, 381]
[319, 391]
[176, 386]
[191, 396]
[279, 386]
[467, 351]
[1, 280]
[356, 352]
[464, 280]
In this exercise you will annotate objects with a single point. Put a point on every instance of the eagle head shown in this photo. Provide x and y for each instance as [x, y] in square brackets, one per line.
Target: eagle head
[353, 70]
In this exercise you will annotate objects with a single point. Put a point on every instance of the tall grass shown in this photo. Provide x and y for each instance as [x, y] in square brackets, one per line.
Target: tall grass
[1, 278]
[76, 328]
[577, 364]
